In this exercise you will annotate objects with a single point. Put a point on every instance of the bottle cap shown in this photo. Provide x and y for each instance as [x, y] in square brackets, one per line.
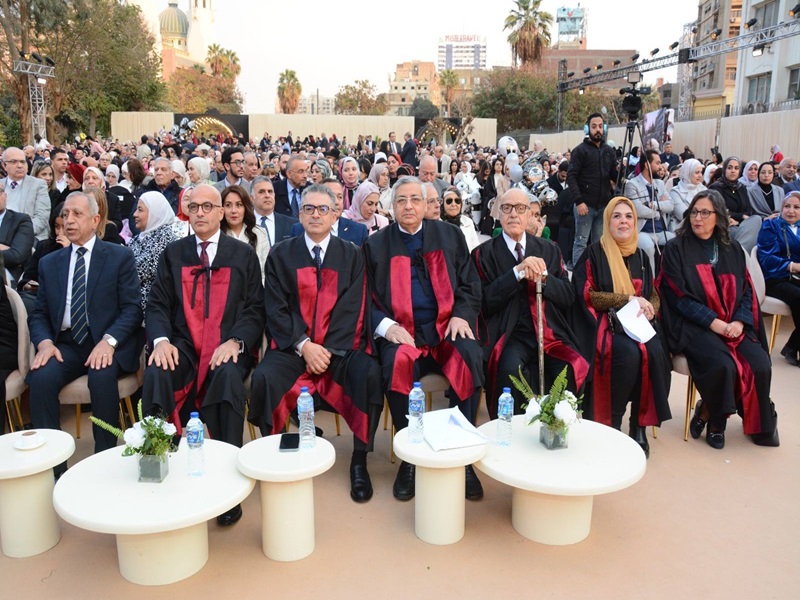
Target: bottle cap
[194, 415]
[304, 390]
[417, 384]
[506, 390]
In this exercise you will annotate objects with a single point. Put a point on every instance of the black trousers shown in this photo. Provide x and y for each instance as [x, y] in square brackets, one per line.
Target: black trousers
[789, 292]
[46, 382]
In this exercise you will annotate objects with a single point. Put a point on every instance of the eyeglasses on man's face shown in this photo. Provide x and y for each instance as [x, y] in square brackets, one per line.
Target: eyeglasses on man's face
[403, 200]
[310, 209]
[508, 208]
[206, 206]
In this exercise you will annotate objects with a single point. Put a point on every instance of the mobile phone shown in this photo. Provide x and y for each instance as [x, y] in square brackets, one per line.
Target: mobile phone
[290, 442]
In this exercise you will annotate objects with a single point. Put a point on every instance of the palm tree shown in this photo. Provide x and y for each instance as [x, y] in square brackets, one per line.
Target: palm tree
[530, 32]
[448, 82]
[232, 67]
[289, 90]
[216, 59]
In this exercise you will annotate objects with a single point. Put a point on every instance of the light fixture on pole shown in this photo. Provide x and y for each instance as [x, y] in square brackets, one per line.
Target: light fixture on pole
[586, 70]
[674, 45]
[616, 62]
[750, 23]
[758, 50]
[635, 57]
[599, 67]
[795, 11]
[580, 91]
[653, 52]
[716, 33]
[37, 73]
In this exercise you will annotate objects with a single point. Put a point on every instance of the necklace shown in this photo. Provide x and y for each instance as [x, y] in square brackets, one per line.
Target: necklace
[715, 256]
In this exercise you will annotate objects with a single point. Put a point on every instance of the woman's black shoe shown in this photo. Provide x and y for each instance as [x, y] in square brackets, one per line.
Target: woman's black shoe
[640, 435]
[790, 355]
[696, 425]
[715, 439]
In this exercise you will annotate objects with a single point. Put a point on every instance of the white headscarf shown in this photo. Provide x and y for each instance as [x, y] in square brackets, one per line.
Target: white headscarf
[97, 172]
[179, 169]
[685, 173]
[159, 211]
[202, 167]
[709, 170]
[113, 169]
[743, 179]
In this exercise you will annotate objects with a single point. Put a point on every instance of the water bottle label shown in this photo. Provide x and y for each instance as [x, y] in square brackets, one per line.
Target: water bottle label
[194, 436]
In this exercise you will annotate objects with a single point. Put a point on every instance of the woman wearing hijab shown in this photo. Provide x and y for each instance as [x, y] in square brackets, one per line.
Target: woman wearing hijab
[711, 315]
[708, 173]
[154, 218]
[451, 208]
[364, 208]
[750, 174]
[744, 225]
[180, 222]
[393, 161]
[348, 176]
[690, 184]
[765, 197]
[379, 175]
[610, 274]
[198, 171]
[179, 173]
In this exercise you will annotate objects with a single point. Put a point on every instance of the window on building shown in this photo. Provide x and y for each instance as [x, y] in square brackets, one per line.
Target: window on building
[794, 84]
[758, 88]
[767, 14]
[730, 73]
[477, 80]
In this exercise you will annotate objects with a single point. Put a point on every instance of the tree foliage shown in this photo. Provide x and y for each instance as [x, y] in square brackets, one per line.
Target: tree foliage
[530, 31]
[289, 91]
[448, 83]
[422, 108]
[193, 91]
[360, 98]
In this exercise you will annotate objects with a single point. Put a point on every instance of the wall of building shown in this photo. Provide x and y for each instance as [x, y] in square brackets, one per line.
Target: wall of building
[131, 126]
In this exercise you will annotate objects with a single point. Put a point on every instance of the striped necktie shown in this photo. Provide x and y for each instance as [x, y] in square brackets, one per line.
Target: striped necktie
[78, 317]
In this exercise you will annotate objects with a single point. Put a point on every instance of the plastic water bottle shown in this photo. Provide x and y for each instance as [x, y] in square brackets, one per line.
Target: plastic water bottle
[416, 408]
[305, 414]
[504, 413]
[195, 435]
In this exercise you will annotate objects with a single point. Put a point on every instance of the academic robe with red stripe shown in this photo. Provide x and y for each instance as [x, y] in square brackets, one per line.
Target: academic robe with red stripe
[501, 310]
[445, 265]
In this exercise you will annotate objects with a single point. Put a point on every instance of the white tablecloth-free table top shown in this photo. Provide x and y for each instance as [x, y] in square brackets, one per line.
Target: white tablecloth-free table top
[554, 489]
[28, 523]
[261, 459]
[423, 455]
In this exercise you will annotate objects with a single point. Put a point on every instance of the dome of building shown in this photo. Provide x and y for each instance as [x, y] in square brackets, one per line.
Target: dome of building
[173, 21]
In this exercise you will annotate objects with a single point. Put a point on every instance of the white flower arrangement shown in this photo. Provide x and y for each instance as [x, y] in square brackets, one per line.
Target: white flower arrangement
[149, 436]
[556, 410]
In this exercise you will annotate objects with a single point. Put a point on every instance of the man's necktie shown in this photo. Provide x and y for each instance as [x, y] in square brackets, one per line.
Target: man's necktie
[204, 254]
[13, 185]
[264, 223]
[318, 262]
[295, 204]
[266, 230]
[520, 253]
[77, 311]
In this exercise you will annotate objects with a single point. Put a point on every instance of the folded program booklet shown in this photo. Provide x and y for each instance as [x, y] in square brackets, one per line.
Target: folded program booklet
[638, 327]
[448, 429]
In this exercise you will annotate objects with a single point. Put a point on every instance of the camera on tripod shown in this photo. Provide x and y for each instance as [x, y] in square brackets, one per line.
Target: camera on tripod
[632, 102]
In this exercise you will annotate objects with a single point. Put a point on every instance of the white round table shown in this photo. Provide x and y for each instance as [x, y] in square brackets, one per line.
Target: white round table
[287, 493]
[28, 523]
[439, 487]
[161, 528]
[554, 489]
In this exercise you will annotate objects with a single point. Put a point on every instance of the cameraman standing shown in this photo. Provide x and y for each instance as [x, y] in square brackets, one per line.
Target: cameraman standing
[590, 179]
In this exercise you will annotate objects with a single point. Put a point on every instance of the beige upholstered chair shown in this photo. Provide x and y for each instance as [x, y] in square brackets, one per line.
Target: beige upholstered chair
[15, 382]
[769, 305]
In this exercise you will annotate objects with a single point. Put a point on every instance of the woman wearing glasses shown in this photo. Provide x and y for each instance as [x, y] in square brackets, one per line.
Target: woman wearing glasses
[610, 274]
[711, 315]
[451, 213]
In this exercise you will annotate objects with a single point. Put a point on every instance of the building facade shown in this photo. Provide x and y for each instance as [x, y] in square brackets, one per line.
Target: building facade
[413, 79]
[461, 52]
[314, 104]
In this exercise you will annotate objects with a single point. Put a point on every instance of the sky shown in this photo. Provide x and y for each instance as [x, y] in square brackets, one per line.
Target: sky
[331, 43]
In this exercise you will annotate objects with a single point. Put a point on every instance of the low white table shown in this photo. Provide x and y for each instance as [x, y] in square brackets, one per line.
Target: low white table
[28, 523]
[554, 489]
[439, 487]
[287, 493]
[161, 528]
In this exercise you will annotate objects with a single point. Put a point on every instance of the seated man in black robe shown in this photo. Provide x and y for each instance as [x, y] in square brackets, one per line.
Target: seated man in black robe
[509, 266]
[426, 298]
[316, 296]
[204, 320]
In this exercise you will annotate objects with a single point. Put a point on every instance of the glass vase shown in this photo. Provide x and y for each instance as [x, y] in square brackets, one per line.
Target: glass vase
[153, 469]
[553, 438]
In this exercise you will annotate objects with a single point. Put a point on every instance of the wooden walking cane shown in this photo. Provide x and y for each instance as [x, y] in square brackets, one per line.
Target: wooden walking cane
[540, 331]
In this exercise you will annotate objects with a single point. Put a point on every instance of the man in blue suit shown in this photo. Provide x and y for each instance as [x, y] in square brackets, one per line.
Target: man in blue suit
[278, 227]
[86, 320]
[343, 228]
[288, 191]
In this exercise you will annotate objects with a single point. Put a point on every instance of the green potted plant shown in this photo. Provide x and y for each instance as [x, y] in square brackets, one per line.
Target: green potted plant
[555, 411]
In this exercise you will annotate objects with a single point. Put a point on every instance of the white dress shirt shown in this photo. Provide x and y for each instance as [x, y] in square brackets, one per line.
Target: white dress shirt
[512, 245]
[66, 322]
[310, 244]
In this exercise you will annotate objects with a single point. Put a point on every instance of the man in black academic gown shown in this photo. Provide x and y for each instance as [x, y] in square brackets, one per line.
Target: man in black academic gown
[204, 320]
[509, 266]
[316, 294]
[426, 298]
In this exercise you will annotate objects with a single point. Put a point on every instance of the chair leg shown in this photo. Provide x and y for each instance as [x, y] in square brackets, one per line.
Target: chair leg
[385, 413]
[19, 413]
[286, 427]
[428, 401]
[78, 421]
[10, 420]
[338, 426]
[392, 443]
[250, 426]
[776, 325]
[129, 407]
[655, 432]
[689, 407]
[121, 416]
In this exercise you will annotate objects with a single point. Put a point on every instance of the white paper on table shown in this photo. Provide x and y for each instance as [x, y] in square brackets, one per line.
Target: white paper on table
[637, 328]
[448, 428]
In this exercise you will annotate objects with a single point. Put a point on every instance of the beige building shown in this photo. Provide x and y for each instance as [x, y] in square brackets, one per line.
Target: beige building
[414, 79]
[314, 104]
[579, 58]
[714, 78]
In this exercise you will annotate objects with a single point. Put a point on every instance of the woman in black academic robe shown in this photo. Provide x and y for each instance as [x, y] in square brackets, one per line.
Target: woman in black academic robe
[611, 273]
[711, 315]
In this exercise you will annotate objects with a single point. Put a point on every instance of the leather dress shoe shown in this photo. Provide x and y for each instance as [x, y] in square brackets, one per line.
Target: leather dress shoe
[360, 483]
[769, 438]
[790, 355]
[696, 425]
[715, 439]
[474, 489]
[639, 434]
[230, 517]
[404, 482]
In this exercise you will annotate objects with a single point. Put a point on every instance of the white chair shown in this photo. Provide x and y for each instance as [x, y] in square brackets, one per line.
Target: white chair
[15, 382]
[769, 305]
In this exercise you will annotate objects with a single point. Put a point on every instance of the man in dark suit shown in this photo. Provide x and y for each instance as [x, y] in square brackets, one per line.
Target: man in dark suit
[86, 320]
[26, 194]
[16, 239]
[409, 153]
[343, 227]
[278, 227]
[288, 191]
[392, 146]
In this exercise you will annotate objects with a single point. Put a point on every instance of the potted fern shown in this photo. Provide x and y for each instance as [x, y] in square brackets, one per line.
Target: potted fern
[555, 411]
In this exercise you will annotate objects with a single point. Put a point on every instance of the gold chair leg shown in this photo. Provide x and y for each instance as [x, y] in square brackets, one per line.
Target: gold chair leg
[19, 413]
[428, 401]
[129, 407]
[392, 443]
[10, 420]
[385, 413]
[250, 426]
[121, 416]
[286, 427]
[78, 421]
[776, 325]
[689, 408]
[338, 426]
[655, 432]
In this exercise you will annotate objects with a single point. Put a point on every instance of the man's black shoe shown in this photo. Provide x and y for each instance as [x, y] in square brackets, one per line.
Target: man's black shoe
[474, 489]
[404, 482]
[230, 517]
[360, 483]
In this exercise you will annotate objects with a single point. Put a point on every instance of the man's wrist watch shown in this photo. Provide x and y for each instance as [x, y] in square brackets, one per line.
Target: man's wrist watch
[111, 341]
[241, 344]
